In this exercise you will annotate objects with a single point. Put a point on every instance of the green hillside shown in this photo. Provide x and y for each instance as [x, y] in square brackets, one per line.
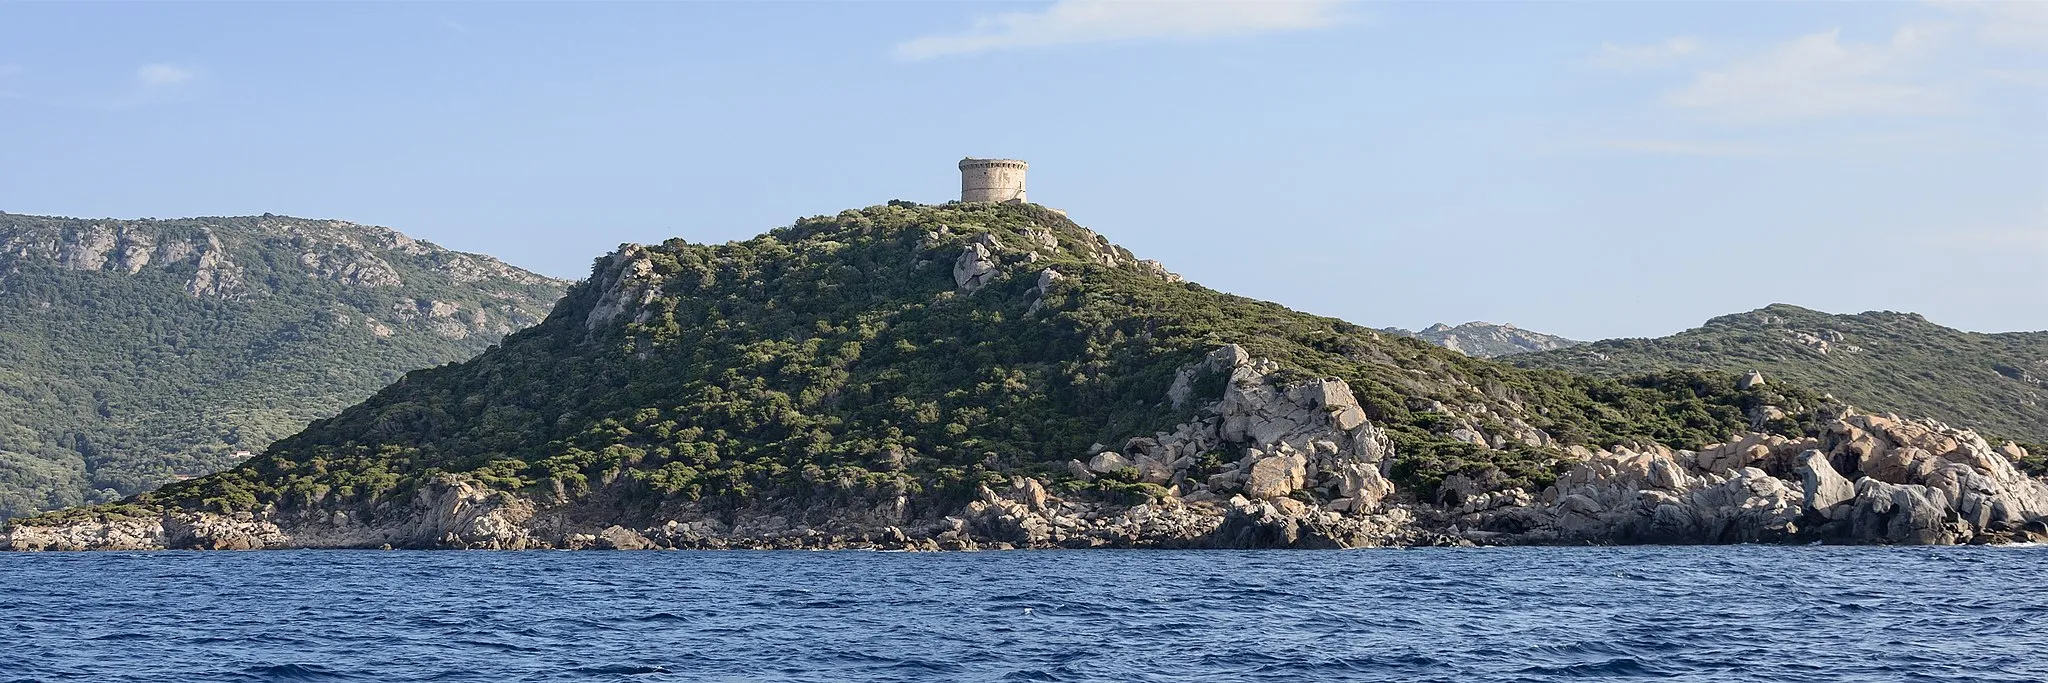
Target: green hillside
[1880, 360]
[139, 352]
[910, 350]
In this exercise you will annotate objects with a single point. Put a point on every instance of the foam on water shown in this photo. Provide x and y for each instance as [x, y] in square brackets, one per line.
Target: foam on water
[1746, 613]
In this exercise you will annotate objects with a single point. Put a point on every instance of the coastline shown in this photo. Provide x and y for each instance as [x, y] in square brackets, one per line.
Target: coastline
[1313, 475]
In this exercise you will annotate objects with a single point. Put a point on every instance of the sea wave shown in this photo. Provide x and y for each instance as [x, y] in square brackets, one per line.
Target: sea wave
[1536, 615]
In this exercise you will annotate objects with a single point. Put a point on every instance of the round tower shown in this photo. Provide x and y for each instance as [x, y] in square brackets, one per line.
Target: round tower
[991, 180]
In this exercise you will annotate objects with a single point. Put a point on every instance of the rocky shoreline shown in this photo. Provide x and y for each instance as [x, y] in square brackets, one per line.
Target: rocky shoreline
[1312, 475]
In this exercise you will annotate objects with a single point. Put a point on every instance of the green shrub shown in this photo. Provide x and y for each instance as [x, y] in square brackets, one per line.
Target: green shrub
[804, 362]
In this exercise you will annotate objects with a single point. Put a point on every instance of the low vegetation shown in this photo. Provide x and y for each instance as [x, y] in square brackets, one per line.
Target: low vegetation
[837, 357]
[1884, 361]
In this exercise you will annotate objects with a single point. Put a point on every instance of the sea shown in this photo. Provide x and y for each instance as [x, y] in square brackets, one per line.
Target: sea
[1740, 613]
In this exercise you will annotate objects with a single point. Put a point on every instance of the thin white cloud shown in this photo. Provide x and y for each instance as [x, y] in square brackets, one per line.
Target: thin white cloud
[163, 75]
[1614, 56]
[2019, 23]
[1072, 22]
[8, 70]
[1685, 148]
[1818, 75]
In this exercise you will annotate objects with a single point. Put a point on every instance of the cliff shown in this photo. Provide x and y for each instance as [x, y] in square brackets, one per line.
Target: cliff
[976, 375]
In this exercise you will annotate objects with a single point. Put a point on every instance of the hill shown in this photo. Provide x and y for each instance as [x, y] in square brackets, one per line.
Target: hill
[1487, 340]
[1885, 361]
[137, 352]
[995, 375]
[919, 352]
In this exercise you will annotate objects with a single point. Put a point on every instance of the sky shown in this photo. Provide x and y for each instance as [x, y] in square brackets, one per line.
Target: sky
[1589, 169]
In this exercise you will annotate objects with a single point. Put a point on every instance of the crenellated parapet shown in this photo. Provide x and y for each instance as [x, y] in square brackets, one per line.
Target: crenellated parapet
[992, 180]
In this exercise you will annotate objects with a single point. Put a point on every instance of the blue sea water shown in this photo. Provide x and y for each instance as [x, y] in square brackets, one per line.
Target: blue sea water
[1744, 613]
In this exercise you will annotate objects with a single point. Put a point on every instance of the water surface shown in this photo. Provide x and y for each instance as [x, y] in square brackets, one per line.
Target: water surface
[1496, 614]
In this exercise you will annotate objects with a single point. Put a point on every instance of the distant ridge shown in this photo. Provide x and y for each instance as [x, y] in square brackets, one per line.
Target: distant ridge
[136, 352]
[1881, 360]
[1487, 340]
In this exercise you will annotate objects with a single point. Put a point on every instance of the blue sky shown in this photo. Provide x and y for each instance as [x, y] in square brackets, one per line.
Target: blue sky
[1588, 169]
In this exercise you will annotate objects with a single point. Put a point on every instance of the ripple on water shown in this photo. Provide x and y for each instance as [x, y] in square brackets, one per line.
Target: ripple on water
[295, 672]
[1790, 615]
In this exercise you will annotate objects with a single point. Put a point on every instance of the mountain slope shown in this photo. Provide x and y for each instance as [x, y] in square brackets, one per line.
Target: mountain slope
[1487, 340]
[137, 352]
[888, 362]
[1880, 360]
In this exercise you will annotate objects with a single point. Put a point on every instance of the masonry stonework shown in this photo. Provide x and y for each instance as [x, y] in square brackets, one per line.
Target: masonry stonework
[991, 180]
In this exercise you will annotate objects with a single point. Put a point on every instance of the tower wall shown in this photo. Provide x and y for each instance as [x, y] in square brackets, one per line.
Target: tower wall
[991, 180]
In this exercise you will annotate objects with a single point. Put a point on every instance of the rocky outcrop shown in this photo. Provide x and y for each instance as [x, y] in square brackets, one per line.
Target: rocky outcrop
[1046, 279]
[1822, 490]
[625, 282]
[1288, 523]
[359, 269]
[333, 250]
[454, 513]
[977, 265]
[215, 275]
[103, 532]
[1279, 438]
[453, 320]
[1871, 479]
[1915, 470]
[1158, 270]
[1310, 434]
[1026, 516]
[126, 247]
[339, 251]
[1108, 461]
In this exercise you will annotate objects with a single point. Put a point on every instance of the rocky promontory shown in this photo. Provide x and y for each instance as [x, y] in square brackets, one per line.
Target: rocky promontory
[995, 376]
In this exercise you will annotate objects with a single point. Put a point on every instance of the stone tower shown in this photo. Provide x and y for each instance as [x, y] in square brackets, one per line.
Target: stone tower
[991, 180]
